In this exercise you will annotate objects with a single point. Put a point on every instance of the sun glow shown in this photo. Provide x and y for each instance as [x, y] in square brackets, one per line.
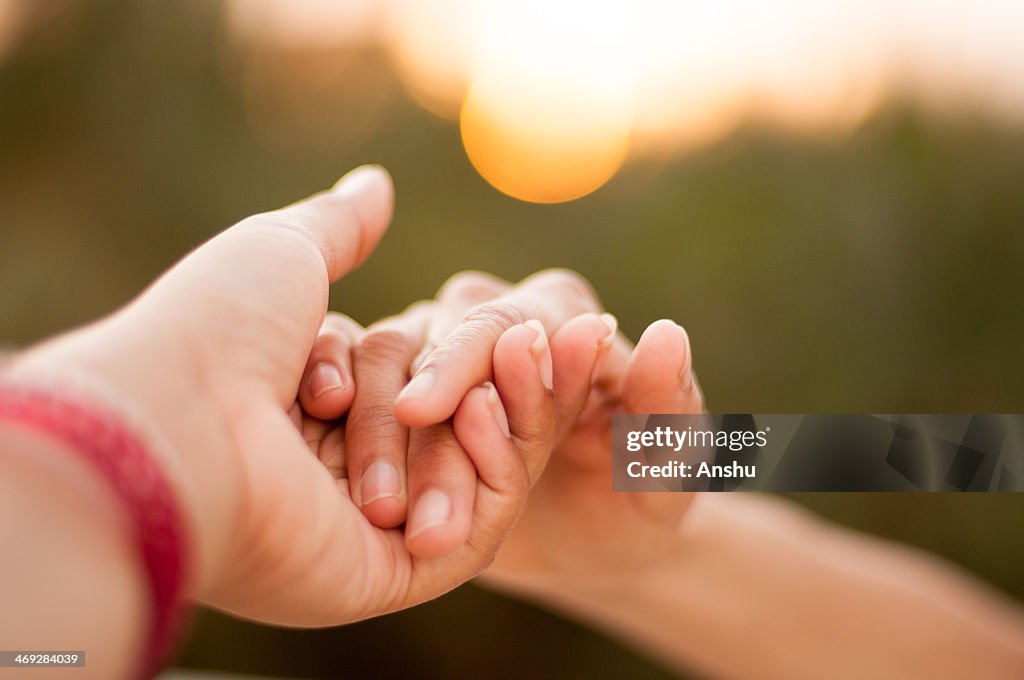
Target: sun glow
[548, 115]
[554, 96]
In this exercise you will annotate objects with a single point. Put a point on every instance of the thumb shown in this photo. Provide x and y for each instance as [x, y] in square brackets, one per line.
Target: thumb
[345, 222]
[336, 229]
[257, 293]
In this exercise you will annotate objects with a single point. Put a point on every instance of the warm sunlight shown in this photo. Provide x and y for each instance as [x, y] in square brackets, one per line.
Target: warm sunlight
[554, 96]
[548, 116]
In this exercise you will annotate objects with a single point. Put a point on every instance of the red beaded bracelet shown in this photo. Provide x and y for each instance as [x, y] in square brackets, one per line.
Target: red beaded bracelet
[122, 460]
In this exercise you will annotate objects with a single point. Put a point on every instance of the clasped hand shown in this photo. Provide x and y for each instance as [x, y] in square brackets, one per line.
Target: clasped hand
[332, 473]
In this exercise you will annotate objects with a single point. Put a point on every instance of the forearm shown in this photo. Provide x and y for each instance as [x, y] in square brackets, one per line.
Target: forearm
[757, 589]
[71, 577]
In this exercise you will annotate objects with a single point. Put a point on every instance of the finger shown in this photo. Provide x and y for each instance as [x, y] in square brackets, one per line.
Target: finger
[523, 377]
[500, 495]
[482, 429]
[303, 496]
[659, 380]
[327, 388]
[455, 297]
[577, 349]
[442, 488]
[344, 223]
[286, 259]
[468, 288]
[463, 359]
[376, 443]
[611, 371]
[659, 376]
[331, 453]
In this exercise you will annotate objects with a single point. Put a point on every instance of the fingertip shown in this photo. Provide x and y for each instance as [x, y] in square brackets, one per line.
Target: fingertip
[328, 388]
[469, 421]
[519, 374]
[370, 180]
[578, 350]
[386, 513]
[481, 427]
[414, 410]
[327, 392]
[579, 343]
[521, 343]
[658, 374]
[382, 496]
[666, 340]
[427, 399]
[369, 192]
[522, 359]
[436, 527]
[497, 409]
[663, 326]
[442, 493]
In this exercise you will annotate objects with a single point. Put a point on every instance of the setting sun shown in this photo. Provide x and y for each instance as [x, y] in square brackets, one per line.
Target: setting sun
[549, 113]
[553, 97]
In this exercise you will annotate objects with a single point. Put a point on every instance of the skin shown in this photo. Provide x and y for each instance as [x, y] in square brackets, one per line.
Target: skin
[473, 316]
[209, 366]
[228, 367]
[672, 573]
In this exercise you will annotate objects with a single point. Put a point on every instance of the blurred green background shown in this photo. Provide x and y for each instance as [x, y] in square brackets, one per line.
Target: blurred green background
[876, 272]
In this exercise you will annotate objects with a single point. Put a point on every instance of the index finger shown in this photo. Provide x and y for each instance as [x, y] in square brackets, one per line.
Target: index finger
[464, 358]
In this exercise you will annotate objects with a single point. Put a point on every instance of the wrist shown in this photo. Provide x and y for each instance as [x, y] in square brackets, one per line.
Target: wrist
[100, 366]
[71, 571]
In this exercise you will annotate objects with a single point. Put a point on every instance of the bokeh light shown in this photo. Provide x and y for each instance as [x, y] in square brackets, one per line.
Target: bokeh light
[547, 143]
[10, 15]
[553, 97]
[548, 116]
[430, 44]
[309, 23]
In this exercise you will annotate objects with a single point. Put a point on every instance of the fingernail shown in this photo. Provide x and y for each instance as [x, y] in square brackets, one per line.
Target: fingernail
[433, 509]
[613, 326]
[380, 480]
[420, 386]
[356, 181]
[542, 353]
[499, 413]
[324, 378]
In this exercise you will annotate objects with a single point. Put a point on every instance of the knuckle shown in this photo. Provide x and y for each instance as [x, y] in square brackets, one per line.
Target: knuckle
[281, 222]
[485, 560]
[371, 417]
[534, 438]
[282, 231]
[433, 447]
[518, 484]
[493, 318]
[470, 284]
[384, 344]
[419, 307]
[483, 550]
[340, 322]
[565, 281]
[416, 318]
[331, 337]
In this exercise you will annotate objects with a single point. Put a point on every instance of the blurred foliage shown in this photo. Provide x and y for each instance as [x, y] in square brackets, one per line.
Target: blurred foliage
[878, 272]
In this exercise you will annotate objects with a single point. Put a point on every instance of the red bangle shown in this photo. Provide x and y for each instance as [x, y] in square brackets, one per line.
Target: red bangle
[121, 459]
